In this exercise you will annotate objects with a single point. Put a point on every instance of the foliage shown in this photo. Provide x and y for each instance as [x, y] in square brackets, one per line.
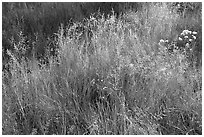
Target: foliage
[133, 74]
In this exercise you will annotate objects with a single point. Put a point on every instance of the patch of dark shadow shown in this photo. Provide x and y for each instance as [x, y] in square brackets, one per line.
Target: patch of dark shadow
[180, 122]
[102, 97]
[30, 118]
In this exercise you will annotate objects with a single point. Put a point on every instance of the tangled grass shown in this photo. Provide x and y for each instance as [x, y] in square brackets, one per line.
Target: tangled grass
[120, 80]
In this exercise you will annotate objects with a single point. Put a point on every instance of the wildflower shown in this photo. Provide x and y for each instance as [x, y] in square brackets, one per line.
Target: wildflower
[189, 32]
[92, 18]
[180, 39]
[187, 45]
[185, 37]
[194, 33]
[161, 41]
[194, 37]
[162, 69]
[131, 65]
[166, 41]
[190, 40]
[185, 32]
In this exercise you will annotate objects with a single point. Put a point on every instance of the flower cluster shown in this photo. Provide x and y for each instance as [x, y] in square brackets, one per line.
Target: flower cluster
[163, 42]
[167, 46]
[187, 39]
[163, 45]
[188, 35]
[185, 42]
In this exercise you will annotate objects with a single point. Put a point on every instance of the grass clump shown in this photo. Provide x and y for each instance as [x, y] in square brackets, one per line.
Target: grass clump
[126, 75]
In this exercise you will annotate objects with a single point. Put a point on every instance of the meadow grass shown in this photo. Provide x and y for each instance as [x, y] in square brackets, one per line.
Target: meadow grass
[122, 80]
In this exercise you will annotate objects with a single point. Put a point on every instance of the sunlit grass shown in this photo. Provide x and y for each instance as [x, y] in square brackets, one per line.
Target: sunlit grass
[121, 80]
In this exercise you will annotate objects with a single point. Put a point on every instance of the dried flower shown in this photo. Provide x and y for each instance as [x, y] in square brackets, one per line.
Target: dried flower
[131, 65]
[194, 33]
[180, 39]
[161, 41]
[185, 32]
[187, 45]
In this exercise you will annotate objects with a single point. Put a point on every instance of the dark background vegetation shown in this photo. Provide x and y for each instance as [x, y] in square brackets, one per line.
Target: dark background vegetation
[43, 19]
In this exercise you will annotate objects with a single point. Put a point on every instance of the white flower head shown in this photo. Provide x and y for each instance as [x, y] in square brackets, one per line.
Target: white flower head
[185, 32]
[180, 39]
[187, 45]
[166, 41]
[194, 33]
[190, 40]
[194, 37]
[185, 37]
[189, 31]
[161, 41]
[162, 69]
[131, 65]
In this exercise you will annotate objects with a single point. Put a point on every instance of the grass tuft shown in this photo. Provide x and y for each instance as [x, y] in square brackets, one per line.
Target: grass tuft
[129, 75]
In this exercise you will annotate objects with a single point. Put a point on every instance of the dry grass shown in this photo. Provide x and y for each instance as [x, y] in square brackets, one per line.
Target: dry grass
[120, 80]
